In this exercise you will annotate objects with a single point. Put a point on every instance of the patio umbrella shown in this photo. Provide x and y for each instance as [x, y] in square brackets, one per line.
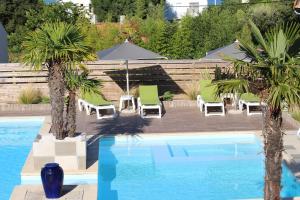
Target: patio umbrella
[127, 51]
[232, 50]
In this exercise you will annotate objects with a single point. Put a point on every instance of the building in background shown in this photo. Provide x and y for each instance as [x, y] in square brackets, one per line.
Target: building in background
[176, 9]
[3, 45]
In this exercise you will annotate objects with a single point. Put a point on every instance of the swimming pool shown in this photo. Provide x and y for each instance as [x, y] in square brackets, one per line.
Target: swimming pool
[16, 137]
[193, 167]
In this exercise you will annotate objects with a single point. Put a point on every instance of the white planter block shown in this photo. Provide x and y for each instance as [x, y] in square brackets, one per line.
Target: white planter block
[70, 153]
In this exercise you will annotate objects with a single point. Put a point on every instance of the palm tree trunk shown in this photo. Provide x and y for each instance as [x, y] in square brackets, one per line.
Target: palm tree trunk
[71, 114]
[57, 90]
[273, 147]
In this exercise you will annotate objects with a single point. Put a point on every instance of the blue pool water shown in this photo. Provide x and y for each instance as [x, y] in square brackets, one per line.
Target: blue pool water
[16, 137]
[185, 167]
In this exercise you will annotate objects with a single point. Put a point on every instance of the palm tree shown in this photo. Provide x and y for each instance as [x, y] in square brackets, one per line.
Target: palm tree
[56, 46]
[75, 81]
[274, 75]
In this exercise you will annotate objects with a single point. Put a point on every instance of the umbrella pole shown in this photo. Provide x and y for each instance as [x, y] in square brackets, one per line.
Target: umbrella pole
[127, 78]
[127, 82]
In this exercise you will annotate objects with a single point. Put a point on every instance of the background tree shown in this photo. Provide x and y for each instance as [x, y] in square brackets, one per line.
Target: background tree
[65, 12]
[107, 10]
[77, 81]
[13, 17]
[140, 8]
[268, 15]
[110, 11]
[56, 46]
[182, 46]
[164, 39]
[274, 75]
[216, 27]
[13, 13]
[35, 17]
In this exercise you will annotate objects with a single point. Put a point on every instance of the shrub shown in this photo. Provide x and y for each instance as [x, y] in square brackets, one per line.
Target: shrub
[45, 100]
[193, 89]
[134, 91]
[168, 96]
[30, 96]
[205, 75]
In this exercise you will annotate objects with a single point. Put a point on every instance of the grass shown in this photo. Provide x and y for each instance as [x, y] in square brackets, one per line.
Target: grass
[30, 96]
[192, 90]
[134, 91]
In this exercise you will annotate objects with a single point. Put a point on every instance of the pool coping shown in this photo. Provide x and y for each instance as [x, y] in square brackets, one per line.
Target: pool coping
[23, 118]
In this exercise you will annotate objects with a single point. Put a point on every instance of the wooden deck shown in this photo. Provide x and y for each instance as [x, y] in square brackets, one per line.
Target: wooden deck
[174, 120]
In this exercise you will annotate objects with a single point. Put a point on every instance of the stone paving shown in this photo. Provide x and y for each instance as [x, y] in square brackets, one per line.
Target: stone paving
[70, 192]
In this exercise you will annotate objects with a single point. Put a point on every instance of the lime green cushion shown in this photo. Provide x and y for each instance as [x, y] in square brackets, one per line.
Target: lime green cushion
[208, 92]
[250, 97]
[95, 99]
[149, 95]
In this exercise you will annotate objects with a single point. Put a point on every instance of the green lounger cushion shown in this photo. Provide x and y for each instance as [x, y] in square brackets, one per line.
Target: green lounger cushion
[249, 97]
[96, 99]
[149, 95]
[208, 92]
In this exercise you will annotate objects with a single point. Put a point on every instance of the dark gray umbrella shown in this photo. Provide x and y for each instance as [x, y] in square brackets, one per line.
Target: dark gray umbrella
[231, 51]
[127, 51]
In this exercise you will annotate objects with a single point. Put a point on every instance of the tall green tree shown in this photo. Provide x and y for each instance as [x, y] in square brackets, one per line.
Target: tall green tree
[13, 17]
[35, 17]
[182, 46]
[65, 12]
[164, 39]
[216, 27]
[13, 13]
[107, 10]
[140, 8]
[274, 75]
[268, 15]
[75, 81]
[56, 46]
[149, 29]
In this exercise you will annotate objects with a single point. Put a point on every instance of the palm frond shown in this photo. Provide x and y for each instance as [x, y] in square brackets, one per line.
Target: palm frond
[291, 31]
[56, 42]
[232, 86]
[283, 93]
[76, 80]
[258, 35]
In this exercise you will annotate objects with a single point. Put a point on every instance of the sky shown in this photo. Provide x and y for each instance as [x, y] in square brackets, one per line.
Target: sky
[49, 1]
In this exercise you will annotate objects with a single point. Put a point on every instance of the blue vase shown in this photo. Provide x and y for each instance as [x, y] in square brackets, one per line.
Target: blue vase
[52, 177]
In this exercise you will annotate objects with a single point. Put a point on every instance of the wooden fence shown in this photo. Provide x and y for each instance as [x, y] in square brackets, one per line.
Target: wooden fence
[169, 75]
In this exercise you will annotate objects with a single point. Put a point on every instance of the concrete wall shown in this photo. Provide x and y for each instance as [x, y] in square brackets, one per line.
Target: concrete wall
[3, 45]
[170, 75]
[176, 9]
